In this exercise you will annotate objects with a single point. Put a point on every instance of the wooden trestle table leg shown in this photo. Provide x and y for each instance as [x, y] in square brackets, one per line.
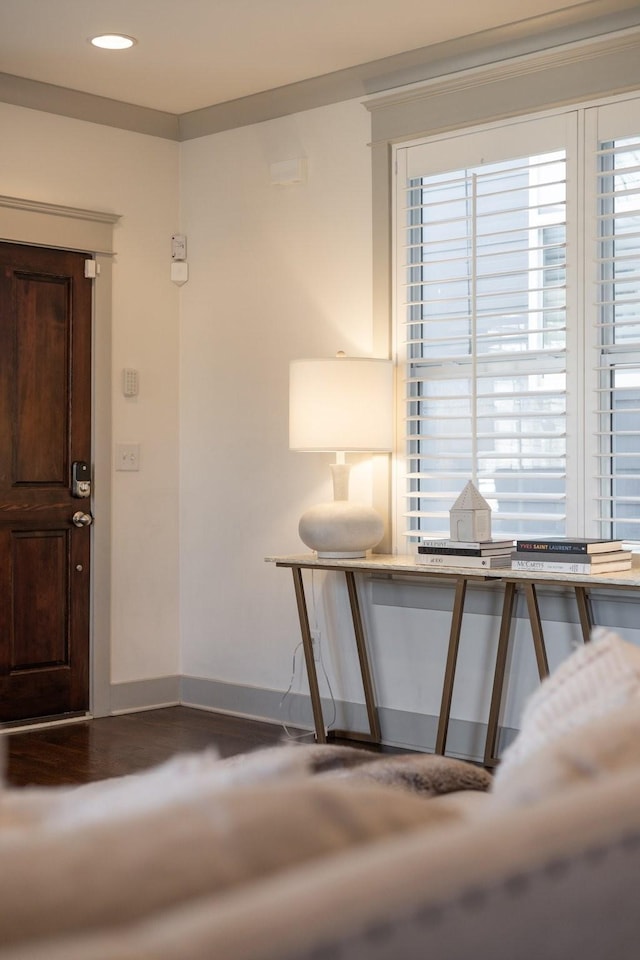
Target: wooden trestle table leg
[365, 671]
[584, 611]
[307, 646]
[450, 668]
[490, 759]
[536, 630]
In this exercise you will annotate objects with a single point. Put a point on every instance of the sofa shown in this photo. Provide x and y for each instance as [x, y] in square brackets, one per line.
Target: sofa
[320, 851]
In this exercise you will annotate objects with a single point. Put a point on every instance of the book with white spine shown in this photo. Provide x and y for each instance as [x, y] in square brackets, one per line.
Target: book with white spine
[452, 560]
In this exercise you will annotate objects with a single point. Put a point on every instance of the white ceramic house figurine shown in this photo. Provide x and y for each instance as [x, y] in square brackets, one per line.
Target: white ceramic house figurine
[470, 516]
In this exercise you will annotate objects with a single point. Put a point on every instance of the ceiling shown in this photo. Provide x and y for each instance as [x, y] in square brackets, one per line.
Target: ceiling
[193, 54]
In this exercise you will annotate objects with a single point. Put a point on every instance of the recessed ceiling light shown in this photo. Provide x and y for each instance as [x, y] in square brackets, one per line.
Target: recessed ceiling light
[113, 41]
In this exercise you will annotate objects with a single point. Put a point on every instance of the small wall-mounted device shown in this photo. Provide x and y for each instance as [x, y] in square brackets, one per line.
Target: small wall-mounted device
[130, 382]
[178, 246]
[285, 172]
[80, 479]
[179, 272]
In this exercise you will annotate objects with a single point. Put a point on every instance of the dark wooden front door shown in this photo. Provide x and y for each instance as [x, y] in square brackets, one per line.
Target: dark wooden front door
[45, 425]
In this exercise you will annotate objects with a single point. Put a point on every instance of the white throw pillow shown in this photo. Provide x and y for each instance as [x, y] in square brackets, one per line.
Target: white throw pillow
[595, 681]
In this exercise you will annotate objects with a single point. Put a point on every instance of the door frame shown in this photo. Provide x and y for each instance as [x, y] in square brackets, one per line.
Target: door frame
[90, 231]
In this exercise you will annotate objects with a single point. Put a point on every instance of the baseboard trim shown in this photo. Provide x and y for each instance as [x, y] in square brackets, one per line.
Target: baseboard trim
[400, 728]
[145, 694]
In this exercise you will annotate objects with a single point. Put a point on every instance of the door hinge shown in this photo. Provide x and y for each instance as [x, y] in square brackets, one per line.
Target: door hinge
[91, 269]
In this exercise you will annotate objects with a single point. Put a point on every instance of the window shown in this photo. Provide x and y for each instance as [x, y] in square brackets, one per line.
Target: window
[618, 329]
[518, 326]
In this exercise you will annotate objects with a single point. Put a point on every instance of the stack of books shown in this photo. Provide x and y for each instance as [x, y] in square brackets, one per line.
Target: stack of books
[571, 556]
[486, 554]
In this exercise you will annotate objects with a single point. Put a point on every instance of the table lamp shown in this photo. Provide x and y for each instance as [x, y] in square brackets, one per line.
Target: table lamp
[340, 405]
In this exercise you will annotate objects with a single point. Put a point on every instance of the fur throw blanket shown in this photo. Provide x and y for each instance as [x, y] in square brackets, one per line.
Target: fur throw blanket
[422, 773]
[181, 776]
[83, 865]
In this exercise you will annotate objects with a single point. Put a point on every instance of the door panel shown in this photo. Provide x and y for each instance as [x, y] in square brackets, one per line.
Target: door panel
[39, 578]
[42, 349]
[45, 424]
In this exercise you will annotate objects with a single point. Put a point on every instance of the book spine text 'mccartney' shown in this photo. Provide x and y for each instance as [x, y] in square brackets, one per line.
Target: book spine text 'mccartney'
[551, 566]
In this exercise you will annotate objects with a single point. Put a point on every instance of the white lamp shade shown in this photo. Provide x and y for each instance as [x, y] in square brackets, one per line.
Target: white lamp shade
[341, 404]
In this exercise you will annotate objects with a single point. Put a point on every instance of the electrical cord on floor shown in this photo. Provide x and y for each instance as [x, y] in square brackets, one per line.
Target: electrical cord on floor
[288, 733]
[310, 733]
[332, 722]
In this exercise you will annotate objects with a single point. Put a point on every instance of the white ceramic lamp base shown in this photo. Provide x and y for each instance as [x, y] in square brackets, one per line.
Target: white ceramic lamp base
[341, 529]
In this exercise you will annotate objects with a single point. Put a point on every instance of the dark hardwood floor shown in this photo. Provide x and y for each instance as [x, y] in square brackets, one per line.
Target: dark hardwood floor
[111, 746]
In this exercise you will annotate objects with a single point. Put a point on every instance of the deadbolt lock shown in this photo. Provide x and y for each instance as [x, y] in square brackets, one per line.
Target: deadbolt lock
[80, 479]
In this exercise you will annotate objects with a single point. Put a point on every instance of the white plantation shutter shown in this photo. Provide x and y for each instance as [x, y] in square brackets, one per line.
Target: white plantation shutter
[517, 325]
[618, 336]
[482, 329]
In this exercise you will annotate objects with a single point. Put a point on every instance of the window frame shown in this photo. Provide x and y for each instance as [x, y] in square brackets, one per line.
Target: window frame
[581, 189]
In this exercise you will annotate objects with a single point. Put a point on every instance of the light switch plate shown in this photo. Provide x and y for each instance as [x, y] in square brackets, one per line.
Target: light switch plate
[127, 456]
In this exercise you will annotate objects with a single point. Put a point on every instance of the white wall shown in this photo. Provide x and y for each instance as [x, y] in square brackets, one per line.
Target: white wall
[57, 160]
[276, 272]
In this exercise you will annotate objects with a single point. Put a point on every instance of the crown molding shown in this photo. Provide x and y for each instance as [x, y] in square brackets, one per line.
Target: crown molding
[566, 26]
[522, 66]
[588, 70]
[77, 105]
[558, 28]
[524, 37]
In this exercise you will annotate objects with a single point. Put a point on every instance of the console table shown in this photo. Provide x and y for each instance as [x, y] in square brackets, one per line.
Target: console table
[407, 566]
[387, 564]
